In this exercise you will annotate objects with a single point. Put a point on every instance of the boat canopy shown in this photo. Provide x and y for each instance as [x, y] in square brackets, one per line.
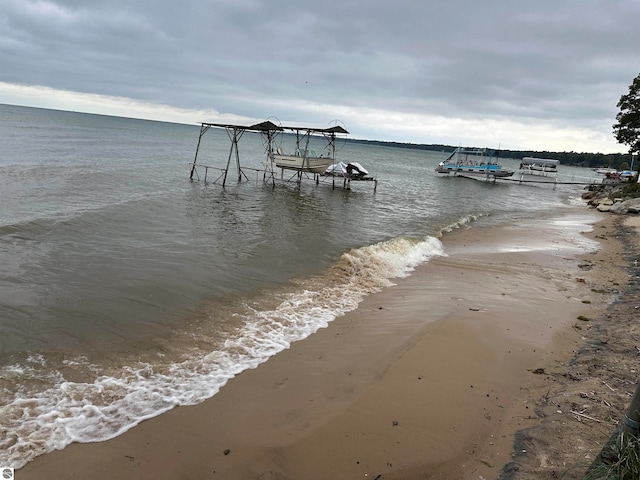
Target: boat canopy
[268, 126]
[546, 162]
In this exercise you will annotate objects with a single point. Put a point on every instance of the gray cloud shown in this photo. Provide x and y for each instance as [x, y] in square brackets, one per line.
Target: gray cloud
[564, 63]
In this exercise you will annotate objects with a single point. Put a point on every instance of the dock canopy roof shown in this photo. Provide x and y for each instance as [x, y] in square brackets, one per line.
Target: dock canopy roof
[540, 161]
[268, 126]
[336, 129]
[258, 127]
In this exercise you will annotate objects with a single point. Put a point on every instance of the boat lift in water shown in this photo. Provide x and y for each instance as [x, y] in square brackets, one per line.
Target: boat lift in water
[303, 164]
[267, 129]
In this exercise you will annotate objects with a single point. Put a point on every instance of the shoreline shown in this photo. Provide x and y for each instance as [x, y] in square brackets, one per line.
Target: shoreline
[580, 404]
[430, 377]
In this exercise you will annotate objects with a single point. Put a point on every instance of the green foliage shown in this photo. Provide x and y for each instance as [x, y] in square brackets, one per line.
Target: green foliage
[631, 190]
[627, 128]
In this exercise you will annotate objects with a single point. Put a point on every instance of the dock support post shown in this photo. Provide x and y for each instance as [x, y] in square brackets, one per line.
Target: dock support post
[234, 134]
[203, 129]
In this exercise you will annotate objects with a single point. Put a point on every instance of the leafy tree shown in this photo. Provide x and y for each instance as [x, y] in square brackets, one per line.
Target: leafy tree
[627, 128]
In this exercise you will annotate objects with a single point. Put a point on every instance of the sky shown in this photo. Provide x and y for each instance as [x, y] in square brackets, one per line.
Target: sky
[543, 75]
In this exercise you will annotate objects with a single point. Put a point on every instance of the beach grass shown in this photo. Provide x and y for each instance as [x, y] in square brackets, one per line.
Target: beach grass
[623, 460]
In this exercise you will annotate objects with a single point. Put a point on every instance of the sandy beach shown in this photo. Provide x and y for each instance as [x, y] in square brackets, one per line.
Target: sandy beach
[488, 363]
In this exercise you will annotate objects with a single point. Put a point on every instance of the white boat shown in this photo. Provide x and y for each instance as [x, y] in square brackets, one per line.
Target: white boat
[304, 161]
[537, 170]
[618, 176]
[352, 170]
[605, 171]
[478, 163]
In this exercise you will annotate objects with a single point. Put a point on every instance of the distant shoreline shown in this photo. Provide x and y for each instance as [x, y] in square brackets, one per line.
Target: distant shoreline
[583, 159]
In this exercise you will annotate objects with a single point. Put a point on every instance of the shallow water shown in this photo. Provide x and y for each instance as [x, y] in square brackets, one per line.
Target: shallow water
[126, 289]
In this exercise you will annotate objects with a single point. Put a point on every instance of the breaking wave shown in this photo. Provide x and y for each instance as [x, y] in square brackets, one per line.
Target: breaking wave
[49, 403]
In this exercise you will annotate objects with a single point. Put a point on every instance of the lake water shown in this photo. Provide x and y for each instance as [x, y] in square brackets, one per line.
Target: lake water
[127, 289]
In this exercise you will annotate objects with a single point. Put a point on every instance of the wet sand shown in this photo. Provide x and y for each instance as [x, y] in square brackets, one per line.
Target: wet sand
[431, 378]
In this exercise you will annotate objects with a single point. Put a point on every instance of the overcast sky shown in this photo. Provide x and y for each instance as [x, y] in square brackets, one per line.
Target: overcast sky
[536, 74]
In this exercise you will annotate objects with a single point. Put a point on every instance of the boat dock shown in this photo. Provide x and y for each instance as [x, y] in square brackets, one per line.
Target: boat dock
[302, 164]
[481, 164]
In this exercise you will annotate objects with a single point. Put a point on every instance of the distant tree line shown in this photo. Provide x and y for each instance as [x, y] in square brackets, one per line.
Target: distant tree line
[626, 130]
[619, 161]
[414, 146]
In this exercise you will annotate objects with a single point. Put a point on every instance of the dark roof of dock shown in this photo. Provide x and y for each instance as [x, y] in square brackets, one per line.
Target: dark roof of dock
[267, 126]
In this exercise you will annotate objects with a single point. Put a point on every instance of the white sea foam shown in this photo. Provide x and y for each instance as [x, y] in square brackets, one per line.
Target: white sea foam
[41, 421]
[460, 223]
[574, 227]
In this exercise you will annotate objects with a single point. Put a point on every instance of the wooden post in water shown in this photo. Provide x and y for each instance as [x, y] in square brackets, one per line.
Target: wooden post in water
[234, 133]
[203, 129]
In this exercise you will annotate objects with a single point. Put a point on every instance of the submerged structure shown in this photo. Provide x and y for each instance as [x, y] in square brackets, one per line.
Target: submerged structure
[303, 163]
